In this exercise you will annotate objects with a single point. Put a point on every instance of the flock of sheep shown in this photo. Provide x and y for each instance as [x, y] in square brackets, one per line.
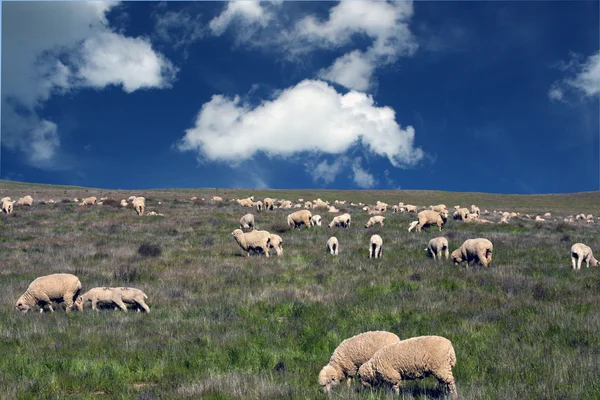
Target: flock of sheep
[377, 358]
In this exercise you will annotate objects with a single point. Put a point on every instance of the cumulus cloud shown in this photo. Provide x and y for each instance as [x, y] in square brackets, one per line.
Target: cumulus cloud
[581, 78]
[310, 117]
[56, 47]
[249, 14]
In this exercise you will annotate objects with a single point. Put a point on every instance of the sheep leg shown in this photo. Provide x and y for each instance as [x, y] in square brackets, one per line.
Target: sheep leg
[433, 255]
[44, 299]
[94, 303]
[573, 263]
[380, 251]
[143, 304]
[121, 305]
[447, 253]
[482, 259]
[579, 260]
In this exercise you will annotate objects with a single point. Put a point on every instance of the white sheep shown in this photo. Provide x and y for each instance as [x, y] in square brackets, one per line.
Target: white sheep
[58, 287]
[475, 210]
[2, 200]
[374, 220]
[299, 218]
[25, 201]
[245, 202]
[430, 218]
[439, 208]
[315, 220]
[154, 213]
[139, 204]
[474, 250]
[411, 208]
[259, 205]
[276, 242]
[375, 246]
[395, 208]
[87, 201]
[216, 198]
[332, 209]
[308, 205]
[119, 296]
[351, 354]
[409, 359]
[547, 215]
[124, 203]
[268, 203]
[247, 222]
[538, 218]
[342, 221]
[438, 246]
[581, 252]
[461, 214]
[7, 206]
[252, 241]
[332, 246]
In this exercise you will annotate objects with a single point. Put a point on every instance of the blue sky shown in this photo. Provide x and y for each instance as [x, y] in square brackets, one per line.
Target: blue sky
[498, 97]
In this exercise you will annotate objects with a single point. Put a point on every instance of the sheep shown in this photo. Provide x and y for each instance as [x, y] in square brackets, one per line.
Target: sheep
[461, 214]
[315, 220]
[374, 212]
[538, 218]
[299, 218]
[2, 200]
[581, 252]
[373, 220]
[7, 206]
[245, 202]
[350, 355]
[414, 358]
[476, 250]
[259, 205]
[319, 203]
[285, 204]
[381, 207]
[332, 246]
[268, 203]
[87, 201]
[340, 221]
[297, 205]
[113, 295]
[25, 201]
[439, 208]
[475, 210]
[589, 216]
[300, 200]
[217, 198]
[252, 241]
[308, 205]
[412, 225]
[395, 208]
[411, 208]
[276, 242]
[332, 209]
[247, 222]
[61, 287]
[547, 215]
[438, 246]
[139, 204]
[429, 218]
[124, 203]
[375, 246]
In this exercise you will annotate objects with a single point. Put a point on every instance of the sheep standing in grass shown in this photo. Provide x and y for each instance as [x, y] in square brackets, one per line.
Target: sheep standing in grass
[58, 287]
[119, 296]
[395, 209]
[315, 220]
[216, 198]
[308, 205]
[276, 242]
[409, 359]
[339, 221]
[411, 208]
[25, 201]
[475, 210]
[252, 241]
[429, 218]
[581, 252]
[259, 205]
[351, 354]
[247, 222]
[438, 246]
[88, 201]
[7, 206]
[299, 218]
[461, 214]
[374, 220]
[439, 208]
[268, 203]
[375, 246]
[139, 204]
[474, 250]
[332, 246]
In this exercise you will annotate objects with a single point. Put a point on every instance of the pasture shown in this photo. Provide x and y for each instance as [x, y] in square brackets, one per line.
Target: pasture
[226, 326]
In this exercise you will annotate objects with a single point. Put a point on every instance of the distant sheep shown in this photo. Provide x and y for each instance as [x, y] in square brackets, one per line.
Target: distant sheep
[439, 208]
[461, 214]
[25, 201]
[259, 205]
[87, 201]
[139, 204]
[43, 290]
[581, 252]
[375, 246]
[119, 296]
[395, 208]
[276, 242]
[430, 218]
[332, 246]
[247, 222]
[245, 202]
[308, 205]
[315, 220]
[411, 208]
[374, 220]
[351, 354]
[7, 206]
[474, 250]
[124, 203]
[341, 221]
[475, 210]
[299, 218]
[438, 246]
[268, 203]
[216, 198]
[332, 209]
[253, 241]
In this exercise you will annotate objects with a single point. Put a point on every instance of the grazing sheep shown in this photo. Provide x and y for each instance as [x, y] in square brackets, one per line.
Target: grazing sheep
[461, 214]
[351, 354]
[297, 205]
[438, 246]
[87, 201]
[332, 246]
[299, 218]
[276, 242]
[475, 210]
[25, 201]
[373, 211]
[395, 208]
[320, 204]
[581, 252]
[217, 198]
[342, 221]
[315, 220]
[259, 205]
[439, 208]
[538, 218]
[247, 222]
[58, 287]
[124, 203]
[375, 246]
[474, 250]
[2, 200]
[412, 225]
[589, 216]
[139, 204]
[409, 359]
[547, 215]
[381, 207]
[332, 209]
[7, 206]
[411, 208]
[119, 296]
[285, 204]
[252, 241]
[308, 205]
[268, 203]
[430, 218]
[374, 220]
[245, 202]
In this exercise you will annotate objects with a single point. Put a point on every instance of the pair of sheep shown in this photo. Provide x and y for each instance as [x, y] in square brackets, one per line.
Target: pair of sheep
[258, 241]
[382, 358]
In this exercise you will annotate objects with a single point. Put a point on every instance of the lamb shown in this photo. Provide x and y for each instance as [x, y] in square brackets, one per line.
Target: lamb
[139, 204]
[351, 354]
[308, 205]
[332, 246]
[25, 201]
[268, 203]
[409, 359]
[411, 208]
[475, 210]
[476, 250]
[395, 208]
[438, 246]
[88, 201]
[315, 220]
[412, 225]
[247, 222]
[259, 205]
[7, 206]
[373, 220]
[58, 287]
[252, 241]
[375, 246]
[276, 242]
[429, 218]
[581, 252]
[299, 218]
[113, 295]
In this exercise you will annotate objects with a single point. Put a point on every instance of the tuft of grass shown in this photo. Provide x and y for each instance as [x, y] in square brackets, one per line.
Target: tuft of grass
[149, 250]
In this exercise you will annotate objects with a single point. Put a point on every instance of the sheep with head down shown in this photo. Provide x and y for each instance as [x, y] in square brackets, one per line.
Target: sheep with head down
[477, 250]
[375, 246]
[437, 247]
[25, 201]
[299, 218]
[7, 206]
[247, 222]
[430, 218]
[581, 252]
[374, 220]
[276, 242]
[315, 220]
[332, 246]
[45, 289]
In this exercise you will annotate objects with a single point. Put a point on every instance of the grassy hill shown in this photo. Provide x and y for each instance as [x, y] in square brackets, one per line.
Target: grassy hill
[226, 326]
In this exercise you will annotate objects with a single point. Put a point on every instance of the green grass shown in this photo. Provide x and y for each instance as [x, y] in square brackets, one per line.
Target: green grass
[227, 326]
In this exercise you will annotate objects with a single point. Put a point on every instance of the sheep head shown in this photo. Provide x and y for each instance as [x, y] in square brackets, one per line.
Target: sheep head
[329, 377]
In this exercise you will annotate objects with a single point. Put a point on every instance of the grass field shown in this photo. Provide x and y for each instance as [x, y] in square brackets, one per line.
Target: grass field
[226, 326]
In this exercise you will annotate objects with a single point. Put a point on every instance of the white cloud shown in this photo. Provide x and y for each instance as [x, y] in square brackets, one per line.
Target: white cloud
[582, 78]
[361, 176]
[56, 47]
[247, 13]
[352, 70]
[309, 117]
[327, 172]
